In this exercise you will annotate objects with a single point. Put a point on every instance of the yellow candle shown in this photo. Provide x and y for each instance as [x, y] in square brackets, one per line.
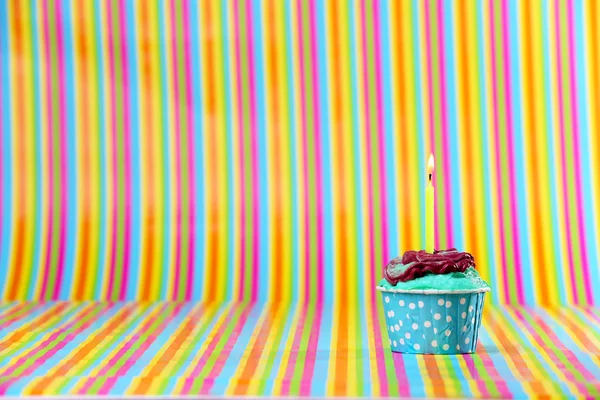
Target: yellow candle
[429, 208]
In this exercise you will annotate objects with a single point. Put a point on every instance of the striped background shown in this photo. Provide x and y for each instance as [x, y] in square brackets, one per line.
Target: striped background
[212, 150]
[247, 349]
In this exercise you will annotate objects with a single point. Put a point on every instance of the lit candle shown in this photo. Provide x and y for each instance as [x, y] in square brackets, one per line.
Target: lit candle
[429, 208]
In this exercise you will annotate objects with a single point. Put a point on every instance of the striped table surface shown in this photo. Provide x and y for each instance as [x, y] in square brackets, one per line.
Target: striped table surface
[169, 348]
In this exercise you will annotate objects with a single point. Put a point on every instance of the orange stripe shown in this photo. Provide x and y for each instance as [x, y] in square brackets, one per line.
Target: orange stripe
[20, 181]
[277, 177]
[85, 168]
[145, 43]
[538, 256]
[212, 192]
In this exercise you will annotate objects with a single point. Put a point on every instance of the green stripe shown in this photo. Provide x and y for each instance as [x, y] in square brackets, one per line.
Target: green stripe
[212, 359]
[302, 350]
[96, 309]
[184, 159]
[513, 329]
[551, 346]
[40, 330]
[192, 345]
[279, 324]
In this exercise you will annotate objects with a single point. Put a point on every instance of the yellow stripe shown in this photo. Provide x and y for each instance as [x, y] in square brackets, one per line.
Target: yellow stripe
[139, 329]
[564, 261]
[221, 172]
[544, 354]
[278, 382]
[275, 326]
[285, 149]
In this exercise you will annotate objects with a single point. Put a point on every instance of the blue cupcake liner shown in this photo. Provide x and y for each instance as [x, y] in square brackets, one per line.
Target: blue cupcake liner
[433, 322]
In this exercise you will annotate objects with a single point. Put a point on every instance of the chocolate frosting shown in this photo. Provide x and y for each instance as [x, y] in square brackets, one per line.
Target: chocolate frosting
[420, 263]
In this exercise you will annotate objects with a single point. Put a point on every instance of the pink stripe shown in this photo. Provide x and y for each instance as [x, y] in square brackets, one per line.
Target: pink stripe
[578, 185]
[291, 365]
[497, 139]
[54, 349]
[401, 376]
[207, 384]
[51, 205]
[431, 109]
[9, 318]
[305, 162]
[179, 200]
[481, 385]
[242, 155]
[190, 379]
[372, 277]
[491, 370]
[113, 105]
[254, 149]
[45, 343]
[122, 350]
[381, 132]
[63, 155]
[134, 357]
[559, 347]
[514, 216]
[191, 156]
[127, 145]
[446, 156]
[311, 354]
[563, 157]
[319, 156]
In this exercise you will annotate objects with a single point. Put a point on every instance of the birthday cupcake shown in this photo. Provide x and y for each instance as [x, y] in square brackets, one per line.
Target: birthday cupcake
[433, 302]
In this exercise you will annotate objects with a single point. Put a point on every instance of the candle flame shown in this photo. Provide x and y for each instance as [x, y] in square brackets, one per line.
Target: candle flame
[430, 164]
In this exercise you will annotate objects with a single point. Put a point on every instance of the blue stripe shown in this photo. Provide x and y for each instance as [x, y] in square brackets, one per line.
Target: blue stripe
[36, 334]
[135, 146]
[388, 126]
[199, 211]
[238, 342]
[198, 342]
[591, 229]
[103, 245]
[289, 47]
[135, 320]
[515, 387]
[288, 317]
[321, 366]
[553, 175]
[161, 337]
[79, 338]
[6, 222]
[519, 153]
[326, 152]
[495, 270]
[260, 132]
[230, 134]
[71, 159]
[453, 138]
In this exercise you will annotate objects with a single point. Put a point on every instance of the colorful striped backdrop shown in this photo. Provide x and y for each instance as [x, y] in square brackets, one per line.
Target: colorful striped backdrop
[276, 150]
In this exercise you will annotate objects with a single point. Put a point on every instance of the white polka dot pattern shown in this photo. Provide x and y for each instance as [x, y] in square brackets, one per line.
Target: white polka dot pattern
[437, 324]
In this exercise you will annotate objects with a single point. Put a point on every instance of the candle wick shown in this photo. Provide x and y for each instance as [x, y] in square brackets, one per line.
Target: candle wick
[430, 177]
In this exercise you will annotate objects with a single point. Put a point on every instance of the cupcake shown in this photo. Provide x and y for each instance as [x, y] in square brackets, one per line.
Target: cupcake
[433, 302]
